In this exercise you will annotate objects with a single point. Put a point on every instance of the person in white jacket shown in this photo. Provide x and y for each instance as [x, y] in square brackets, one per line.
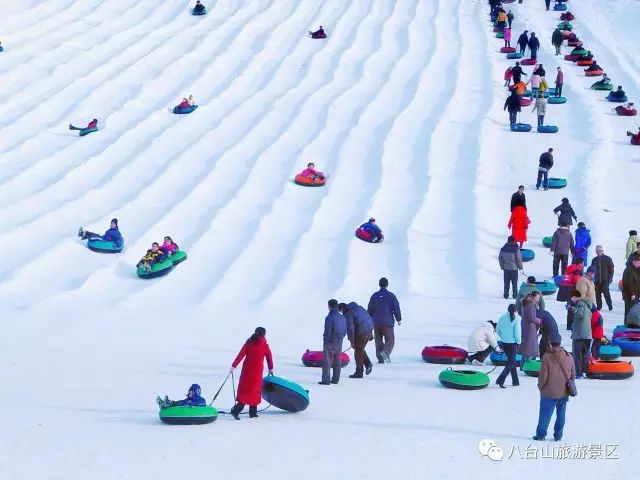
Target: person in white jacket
[482, 341]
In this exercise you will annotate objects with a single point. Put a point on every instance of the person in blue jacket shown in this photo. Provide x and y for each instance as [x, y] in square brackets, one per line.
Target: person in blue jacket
[385, 311]
[111, 235]
[373, 229]
[582, 244]
[194, 399]
[359, 332]
[335, 328]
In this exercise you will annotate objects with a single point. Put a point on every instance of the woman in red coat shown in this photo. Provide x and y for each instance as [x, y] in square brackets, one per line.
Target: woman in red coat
[255, 350]
[519, 223]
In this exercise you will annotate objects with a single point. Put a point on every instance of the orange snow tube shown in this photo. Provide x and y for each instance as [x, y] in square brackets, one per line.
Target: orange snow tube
[610, 370]
[310, 182]
[585, 63]
[593, 73]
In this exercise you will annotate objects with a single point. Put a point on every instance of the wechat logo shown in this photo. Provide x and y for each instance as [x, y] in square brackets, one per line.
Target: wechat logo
[488, 448]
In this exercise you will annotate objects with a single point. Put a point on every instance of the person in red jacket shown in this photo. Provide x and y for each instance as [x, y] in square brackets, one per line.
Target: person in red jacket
[93, 123]
[568, 284]
[597, 333]
[519, 223]
[255, 349]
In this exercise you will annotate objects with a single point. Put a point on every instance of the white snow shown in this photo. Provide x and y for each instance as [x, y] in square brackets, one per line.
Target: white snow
[402, 106]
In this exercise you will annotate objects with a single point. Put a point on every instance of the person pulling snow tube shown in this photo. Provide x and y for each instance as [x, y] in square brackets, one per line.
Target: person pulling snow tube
[444, 354]
[310, 182]
[520, 127]
[104, 246]
[284, 394]
[178, 110]
[609, 370]
[508, 50]
[593, 73]
[157, 270]
[557, 100]
[560, 7]
[548, 287]
[610, 352]
[463, 379]
[557, 182]
[529, 61]
[531, 367]
[362, 234]
[514, 56]
[630, 346]
[547, 129]
[313, 358]
[567, 16]
[500, 358]
[616, 98]
[626, 112]
[188, 415]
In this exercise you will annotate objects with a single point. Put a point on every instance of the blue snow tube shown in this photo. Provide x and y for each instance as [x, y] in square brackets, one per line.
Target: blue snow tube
[520, 127]
[500, 359]
[284, 394]
[527, 254]
[184, 110]
[87, 131]
[548, 287]
[630, 346]
[610, 352]
[560, 7]
[557, 100]
[557, 182]
[616, 99]
[547, 129]
[104, 246]
[514, 56]
[198, 12]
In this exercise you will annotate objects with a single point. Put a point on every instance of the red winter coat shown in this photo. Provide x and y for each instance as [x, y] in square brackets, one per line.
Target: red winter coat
[571, 276]
[597, 325]
[250, 385]
[518, 223]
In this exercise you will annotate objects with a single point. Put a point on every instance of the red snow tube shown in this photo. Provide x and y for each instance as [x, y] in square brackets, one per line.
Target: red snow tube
[310, 182]
[626, 112]
[572, 58]
[313, 358]
[444, 354]
[567, 16]
[508, 50]
[362, 234]
[574, 43]
[585, 63]
[528, 61]
[593, 73]
[635, 140]
[525, 102]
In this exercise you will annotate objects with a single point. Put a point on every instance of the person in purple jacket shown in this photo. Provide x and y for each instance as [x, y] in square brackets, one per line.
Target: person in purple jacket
[359, 328]
[385, 311]
[111, 235]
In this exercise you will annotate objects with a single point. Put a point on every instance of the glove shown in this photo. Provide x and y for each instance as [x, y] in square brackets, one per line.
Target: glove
[232, 369]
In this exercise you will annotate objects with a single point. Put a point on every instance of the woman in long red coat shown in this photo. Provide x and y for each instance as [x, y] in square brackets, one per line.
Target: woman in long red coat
[519, 223]
[255, 349]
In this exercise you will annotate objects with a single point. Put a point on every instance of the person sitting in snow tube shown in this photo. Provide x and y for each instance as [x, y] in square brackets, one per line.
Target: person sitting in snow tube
[194, 399]
[626, 111]
[199, 9]
[311, 172]
[169, 247]
[92, 126]
[187, 105]
[370, 232]
[635, 138]
[310, 177]
[594, 70]
[567, 16]
[154, 255]
[603, 81]
[619, 93]
[111, 235]
[318, 33]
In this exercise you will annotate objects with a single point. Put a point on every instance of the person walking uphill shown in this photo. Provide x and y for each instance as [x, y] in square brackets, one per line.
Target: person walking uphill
[604, 276]
[254, 352]
[385, 311]
[534, 45]
[556, 371]
[580, 332]
[529, 324]
[512, 105]
[508, 330]
[510, 260]
[359, 332]
[583, 242]
[565, 213]
[517, 73]
[561, 245]
[540, 106]
[523, 41]
[335, 328]
[545, 163]
[556, 40]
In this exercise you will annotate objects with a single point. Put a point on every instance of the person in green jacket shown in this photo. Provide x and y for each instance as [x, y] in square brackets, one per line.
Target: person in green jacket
[525, 290]
[581, 332]
[632, 242]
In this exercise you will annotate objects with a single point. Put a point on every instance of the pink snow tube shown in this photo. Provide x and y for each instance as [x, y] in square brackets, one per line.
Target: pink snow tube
[635, 141]
[362, 234]
[525, 102]
[528, 61]
[508, 50]
[313, 358]
[572, 58]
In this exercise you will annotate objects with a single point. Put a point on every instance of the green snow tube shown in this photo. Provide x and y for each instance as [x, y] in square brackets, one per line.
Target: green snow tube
[557, 182]
[463, 379]
[547, 241]
[157, 270]
[532, 367]
[500, 35]
[602, 86]
[178, 257]
[188, 415]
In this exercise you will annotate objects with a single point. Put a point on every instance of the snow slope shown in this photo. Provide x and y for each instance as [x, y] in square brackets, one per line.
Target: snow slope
[402, 105]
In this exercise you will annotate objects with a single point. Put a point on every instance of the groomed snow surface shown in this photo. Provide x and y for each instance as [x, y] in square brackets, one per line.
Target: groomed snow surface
[402, 105]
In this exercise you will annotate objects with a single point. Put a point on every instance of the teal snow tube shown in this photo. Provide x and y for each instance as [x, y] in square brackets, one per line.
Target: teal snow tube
[104, 246]
[188, 415]
[557, 182]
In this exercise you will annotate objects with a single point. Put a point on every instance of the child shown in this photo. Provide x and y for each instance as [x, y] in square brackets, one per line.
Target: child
[169, 247]
[311, 172]
[154, 255]
[193, 399]
[597, 333]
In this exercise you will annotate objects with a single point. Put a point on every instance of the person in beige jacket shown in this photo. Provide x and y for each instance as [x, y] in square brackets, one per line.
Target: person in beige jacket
[587, 287]
[556, 370]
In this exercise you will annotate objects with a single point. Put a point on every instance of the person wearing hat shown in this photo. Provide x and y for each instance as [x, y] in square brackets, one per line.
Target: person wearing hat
[582, 243]
[373, 229]
[111, 235]
[556, 370]
[510, 260]
[384, 308]
[335, 329]
[603, 276]
[482, 341]
[580, 332]
[526, 290]
[194, 399]
[586, 286]
[254, 352]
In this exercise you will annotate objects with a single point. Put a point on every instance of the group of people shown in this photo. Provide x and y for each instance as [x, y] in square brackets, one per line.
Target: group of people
[158, 253]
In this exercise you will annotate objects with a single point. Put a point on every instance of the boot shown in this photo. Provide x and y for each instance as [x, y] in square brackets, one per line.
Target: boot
[357, 374]
[80, 232]
[235, 411]
[253, 412]
[368, 369]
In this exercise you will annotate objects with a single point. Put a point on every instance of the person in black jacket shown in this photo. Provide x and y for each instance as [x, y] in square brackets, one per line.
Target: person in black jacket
[517, 73]
[565, 213]
[534, 45]
[544, 165]
[523, 41]
[519, 199]
[512, 104]
[556, 40]
[539, 69]
[603, 277]
[510, 18]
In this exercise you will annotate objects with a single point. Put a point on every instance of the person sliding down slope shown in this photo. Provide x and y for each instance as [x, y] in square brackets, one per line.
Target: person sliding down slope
[154, 255]
[373, 229]
[318, 33]
[619, 93]
[169, 247]
[111, 235]
[604, 80]
[194, 399]
[311, 172]
[92, 124]
[593, 67]
[198, 8]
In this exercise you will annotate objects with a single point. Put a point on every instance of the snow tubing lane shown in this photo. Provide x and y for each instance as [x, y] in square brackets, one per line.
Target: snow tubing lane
[532, 367]
[184, 110]
[630, 346]
[529, 61]
[547, 129]
[313, 358]
[188, 415]
[626, 112]
[309, 182]
[547, 241]
[609, 370]
[157, 270]
[87, 131]
[527, 254]
[463, 379]
[178, 257]
[520, 127]
[500, 359]
[103, 246]
[557, 182]
[602, 86]
[284, 394]
[444, 354]
[615, 99]
[557, 100]
[594, 73]
[366, 236]
[508, 50]
[610, 352]
[547, 287]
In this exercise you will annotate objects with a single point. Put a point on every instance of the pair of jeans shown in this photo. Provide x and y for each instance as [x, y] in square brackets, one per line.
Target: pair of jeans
[558, 47]
[359, 352]
[385, 341]
[547, 406]
[92, 236]
[560, 260]
[558, 89]
[534, 53]
[543, 178]
[482, 355]
[581, 355]
[510, 278]
[540, 120]
[602, 288]
[513, 117]
[331, 361]
[595, 348]
[522, 49]
[511, 367]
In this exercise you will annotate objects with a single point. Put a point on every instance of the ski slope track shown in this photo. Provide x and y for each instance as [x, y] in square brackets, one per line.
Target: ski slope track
[402, 106]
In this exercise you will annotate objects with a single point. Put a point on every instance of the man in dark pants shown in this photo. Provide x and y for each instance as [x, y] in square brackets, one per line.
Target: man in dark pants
[545, 163]
[631, 285]
[603, 278]
[561, 245]
[534, 45]
[335, 328]
[581, 332]
[359, 332]
[510, 260]
[547, 3]
[519, 199]
[385, 311]
[523, 41]
[512, 104]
